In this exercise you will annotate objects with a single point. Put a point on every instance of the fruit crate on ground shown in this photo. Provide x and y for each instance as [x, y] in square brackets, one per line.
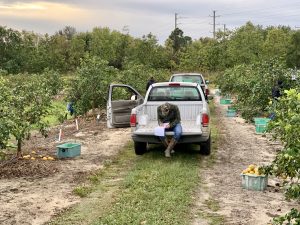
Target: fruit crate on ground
[261, 120]
[260, 128]
[261, 124]
[225, 101]
[254, 182]
[68, 150]
[231, 113]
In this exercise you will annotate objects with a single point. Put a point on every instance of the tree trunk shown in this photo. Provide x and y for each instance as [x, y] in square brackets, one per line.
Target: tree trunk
[19, 150]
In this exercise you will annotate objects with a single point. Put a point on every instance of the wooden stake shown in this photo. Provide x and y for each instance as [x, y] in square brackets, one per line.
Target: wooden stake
[76, 121]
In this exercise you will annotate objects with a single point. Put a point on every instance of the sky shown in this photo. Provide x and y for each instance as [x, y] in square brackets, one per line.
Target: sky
[140, 17]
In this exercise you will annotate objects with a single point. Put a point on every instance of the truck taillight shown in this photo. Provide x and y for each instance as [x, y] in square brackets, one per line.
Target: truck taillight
[205, 120]
[133, 120]
[207, 91]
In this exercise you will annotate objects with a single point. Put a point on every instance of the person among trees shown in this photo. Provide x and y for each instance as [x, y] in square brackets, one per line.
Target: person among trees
[276, 90]
[70, 108]
[169, 118]
[276, 93]
[150, 82]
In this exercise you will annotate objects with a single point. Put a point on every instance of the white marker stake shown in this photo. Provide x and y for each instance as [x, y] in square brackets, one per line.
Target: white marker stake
[76, 121]
[59, 136]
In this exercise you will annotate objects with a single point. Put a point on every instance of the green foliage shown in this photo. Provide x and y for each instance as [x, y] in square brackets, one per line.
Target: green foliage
[286, 127]
[276, 44]
[5, 99]
[88, 89]
[291, 218]
[293, 57]
[148, 52]
[245, 45]
[178, 40]
[252, 84]
[138, 75]
[25, 101]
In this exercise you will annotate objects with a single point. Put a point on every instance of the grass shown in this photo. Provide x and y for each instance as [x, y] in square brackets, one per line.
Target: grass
[156, 191]
[82, 191]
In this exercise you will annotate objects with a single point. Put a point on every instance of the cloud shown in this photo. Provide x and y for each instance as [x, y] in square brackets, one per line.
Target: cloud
[42, 11]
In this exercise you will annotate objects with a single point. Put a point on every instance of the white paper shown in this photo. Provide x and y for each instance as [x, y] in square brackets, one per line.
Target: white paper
[159, 131]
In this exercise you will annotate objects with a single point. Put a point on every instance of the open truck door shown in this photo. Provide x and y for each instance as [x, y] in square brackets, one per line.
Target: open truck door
[121, 100]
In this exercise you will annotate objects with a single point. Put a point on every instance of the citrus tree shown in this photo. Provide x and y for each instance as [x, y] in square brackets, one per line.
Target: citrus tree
[88, 90]
[5, 98]
[29, 104]
[286, 127]
[137, 75]
[252, 85]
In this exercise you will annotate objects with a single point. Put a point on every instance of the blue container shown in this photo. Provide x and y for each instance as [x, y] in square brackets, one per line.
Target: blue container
[68, 150]
[231, 113]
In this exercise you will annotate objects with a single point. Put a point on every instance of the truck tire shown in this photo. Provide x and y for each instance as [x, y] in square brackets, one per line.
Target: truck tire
[205, 147]
[140, 148]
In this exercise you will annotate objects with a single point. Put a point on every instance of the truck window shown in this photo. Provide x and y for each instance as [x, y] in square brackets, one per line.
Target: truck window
[174, 93]
[187, 78]
[121, 93]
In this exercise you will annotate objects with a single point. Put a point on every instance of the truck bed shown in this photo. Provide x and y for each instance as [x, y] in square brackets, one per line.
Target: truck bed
[190, 118]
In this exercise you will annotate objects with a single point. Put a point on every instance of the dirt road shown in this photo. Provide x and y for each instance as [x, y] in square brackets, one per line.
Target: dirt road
[222, 196]
[34, 200]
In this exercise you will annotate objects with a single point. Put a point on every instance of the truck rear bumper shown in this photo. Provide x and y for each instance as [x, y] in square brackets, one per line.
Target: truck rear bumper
[192, 139]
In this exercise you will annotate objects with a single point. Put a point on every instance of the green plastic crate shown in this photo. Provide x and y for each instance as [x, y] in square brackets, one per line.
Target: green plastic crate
[254, 182]
[231, 113]
[260, 128]
[68, 150]
[261, 120]
[224, 101]
[231, 107]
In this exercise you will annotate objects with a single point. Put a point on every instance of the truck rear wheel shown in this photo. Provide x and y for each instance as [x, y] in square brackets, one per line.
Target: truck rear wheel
[205, 147]
[140, 147]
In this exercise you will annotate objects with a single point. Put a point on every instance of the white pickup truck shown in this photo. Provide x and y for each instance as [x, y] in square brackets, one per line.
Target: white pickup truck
[126, 107]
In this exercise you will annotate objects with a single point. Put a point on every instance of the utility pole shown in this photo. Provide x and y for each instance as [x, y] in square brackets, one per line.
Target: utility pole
[176, 14]
[224, 31]
[214, 23]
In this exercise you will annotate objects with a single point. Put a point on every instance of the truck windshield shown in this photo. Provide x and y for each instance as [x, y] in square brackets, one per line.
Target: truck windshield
[188, 78]
[174, 93]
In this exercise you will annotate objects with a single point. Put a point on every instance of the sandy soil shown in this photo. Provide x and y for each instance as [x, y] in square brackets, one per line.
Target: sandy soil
[238, 148]
[35, 199]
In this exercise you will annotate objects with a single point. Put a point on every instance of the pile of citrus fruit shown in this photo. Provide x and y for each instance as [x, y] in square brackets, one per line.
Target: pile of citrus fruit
[34, 156]
[252, 170]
